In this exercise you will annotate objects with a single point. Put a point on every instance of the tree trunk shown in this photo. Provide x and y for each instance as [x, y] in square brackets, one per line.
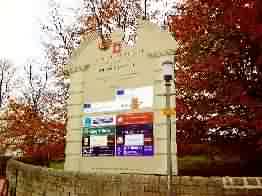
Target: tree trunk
[1, 88]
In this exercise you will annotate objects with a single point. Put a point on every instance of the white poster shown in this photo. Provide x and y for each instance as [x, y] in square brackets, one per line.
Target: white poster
[123, 100]
[98, 140]
[100, 121]
[143, 94]
[106, 106]
[86, 141]
[134, 140]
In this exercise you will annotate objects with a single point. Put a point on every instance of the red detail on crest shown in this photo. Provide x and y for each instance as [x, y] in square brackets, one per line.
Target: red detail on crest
[116, 47]
[135, 118]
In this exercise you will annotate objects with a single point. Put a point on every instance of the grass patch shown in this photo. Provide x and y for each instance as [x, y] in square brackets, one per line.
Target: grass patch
[196, 162]
[194, 158]
[185, 161]
[57, 165]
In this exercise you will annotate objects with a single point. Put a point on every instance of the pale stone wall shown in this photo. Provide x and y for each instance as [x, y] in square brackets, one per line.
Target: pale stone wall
[28, 180]
[132, 68]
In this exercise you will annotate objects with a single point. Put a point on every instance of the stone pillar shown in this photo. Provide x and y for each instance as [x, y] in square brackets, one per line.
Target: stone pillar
[75, 111]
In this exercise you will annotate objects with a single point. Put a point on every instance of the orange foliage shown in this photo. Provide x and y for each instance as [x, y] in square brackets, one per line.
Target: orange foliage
[41, 137]
[109, 10]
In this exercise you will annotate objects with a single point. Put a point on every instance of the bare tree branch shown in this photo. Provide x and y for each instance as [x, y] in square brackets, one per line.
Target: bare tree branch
[37, 88]
[7, 71]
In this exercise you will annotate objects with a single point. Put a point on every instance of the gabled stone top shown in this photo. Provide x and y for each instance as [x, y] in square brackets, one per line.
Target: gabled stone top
[152, 42]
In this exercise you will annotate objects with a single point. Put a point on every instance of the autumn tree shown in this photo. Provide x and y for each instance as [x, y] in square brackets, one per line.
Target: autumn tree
[219, 73]
[41, 138]
[35, 86]
[60, 37]
[39, 89]
[7, 70]
[101, 18]
[158, 11]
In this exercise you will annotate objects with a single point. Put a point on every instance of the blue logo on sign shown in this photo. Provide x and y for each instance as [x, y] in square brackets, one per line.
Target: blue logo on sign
[87, 105]
[87, 122]
[120, 92]
[98, 121]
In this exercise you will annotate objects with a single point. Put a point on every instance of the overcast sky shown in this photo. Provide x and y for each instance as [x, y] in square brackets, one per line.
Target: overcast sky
[20, 34]
[19, 30]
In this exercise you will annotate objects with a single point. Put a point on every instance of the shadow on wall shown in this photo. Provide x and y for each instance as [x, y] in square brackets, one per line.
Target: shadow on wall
[3, 181]
[3, 163]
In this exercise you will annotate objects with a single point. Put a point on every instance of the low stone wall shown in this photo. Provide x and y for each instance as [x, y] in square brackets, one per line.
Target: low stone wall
[28, 180]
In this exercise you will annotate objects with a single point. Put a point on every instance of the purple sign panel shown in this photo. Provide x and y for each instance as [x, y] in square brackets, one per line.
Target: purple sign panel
[123, 135]
[134, 140]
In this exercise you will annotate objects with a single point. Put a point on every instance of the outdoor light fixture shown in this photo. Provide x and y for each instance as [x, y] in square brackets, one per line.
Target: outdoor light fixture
[168, 70]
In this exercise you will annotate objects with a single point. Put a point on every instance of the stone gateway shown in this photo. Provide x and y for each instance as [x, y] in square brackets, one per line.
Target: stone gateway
[115, 123]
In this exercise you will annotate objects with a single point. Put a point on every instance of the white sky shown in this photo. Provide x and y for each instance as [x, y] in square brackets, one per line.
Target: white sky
[19, 23]
[19, 30]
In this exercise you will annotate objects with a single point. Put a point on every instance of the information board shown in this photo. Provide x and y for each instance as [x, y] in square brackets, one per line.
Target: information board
[98, 141]
[98, 137]
[134, 134]
[122, 100]
[128, 134]
[99, 121]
